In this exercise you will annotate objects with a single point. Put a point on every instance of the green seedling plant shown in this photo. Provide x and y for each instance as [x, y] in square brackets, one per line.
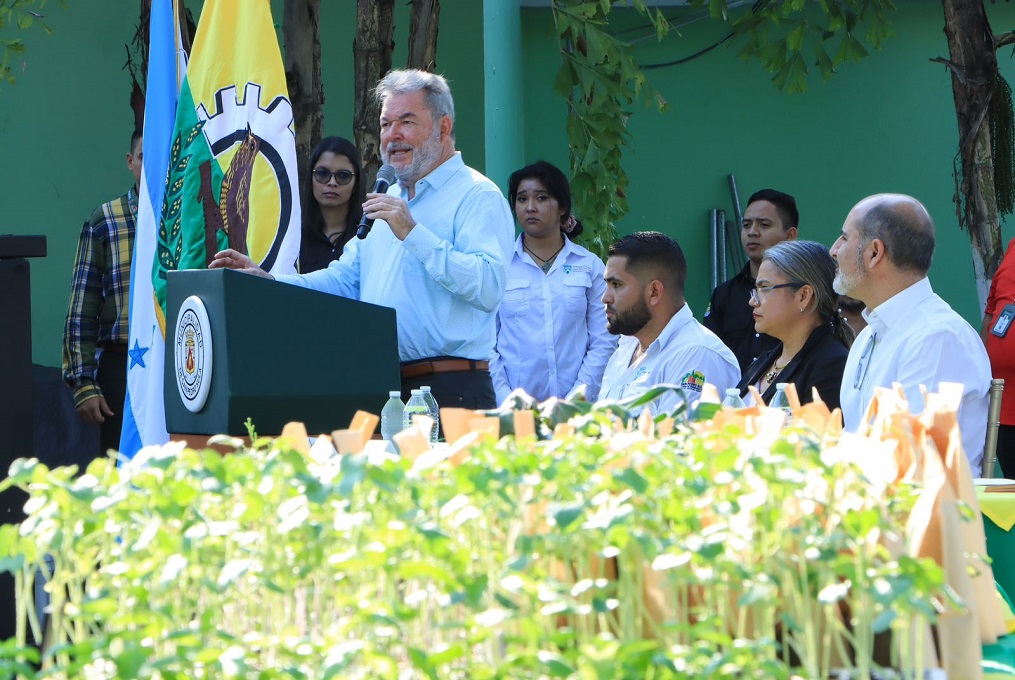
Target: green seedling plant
[602, 554]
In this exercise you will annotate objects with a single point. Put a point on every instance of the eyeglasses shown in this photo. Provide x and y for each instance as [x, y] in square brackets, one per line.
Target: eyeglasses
[342, 177]
[756, 293]
[865, 359]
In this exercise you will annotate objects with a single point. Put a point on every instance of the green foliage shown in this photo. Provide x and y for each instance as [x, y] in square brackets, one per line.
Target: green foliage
[600, 80]
[787, 37]
[22, 15]
[524, 558]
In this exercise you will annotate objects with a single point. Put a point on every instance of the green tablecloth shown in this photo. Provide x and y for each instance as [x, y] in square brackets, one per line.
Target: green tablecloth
[1001, 548]
[999, 659]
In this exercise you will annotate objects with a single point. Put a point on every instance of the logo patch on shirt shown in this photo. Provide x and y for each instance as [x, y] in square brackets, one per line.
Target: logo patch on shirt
[640, 376]
[693, 380]
[576, 268]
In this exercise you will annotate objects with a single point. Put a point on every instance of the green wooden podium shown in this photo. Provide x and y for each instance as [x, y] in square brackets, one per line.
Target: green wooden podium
[271, 352]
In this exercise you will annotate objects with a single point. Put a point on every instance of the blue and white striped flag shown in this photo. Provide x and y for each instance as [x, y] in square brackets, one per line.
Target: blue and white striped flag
[144, 412]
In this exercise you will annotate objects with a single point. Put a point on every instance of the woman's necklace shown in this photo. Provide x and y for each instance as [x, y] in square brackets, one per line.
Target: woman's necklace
[547, 263]
[776, 369]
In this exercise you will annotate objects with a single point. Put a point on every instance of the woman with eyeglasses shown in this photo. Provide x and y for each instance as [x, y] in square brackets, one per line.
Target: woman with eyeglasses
[332, 203]
[794, 302]
[551, 325]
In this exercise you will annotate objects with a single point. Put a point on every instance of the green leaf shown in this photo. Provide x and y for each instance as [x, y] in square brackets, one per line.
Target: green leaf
[566, 515]
[564, 83]
[793, 76]
[12, 565]
[631, 478]
[555, 664]
[599, 45]
[824, 62]
[795, 39]
[855, 49]
[422, 662]
[352, 473]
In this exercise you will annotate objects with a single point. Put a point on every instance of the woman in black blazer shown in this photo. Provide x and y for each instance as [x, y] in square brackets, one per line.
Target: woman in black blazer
[795, 303]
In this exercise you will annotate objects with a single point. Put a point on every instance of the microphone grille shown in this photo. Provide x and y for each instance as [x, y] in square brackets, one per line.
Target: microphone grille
[387, 173]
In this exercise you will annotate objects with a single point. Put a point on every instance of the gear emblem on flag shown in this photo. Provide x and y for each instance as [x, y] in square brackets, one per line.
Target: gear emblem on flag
[245, 139]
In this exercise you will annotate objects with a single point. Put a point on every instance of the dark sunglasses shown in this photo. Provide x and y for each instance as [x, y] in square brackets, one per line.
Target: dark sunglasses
[342, 177]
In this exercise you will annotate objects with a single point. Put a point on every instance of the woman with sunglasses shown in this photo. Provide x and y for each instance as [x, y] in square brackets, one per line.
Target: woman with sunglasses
[332, 203]
[551, 326]
[794, 302]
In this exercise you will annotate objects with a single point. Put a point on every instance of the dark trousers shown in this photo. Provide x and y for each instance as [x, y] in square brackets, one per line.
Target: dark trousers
[1006, 451]
[456, 389]
[112, 380]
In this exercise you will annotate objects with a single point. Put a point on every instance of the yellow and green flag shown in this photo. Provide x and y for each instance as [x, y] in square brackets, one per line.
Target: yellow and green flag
[232, 176]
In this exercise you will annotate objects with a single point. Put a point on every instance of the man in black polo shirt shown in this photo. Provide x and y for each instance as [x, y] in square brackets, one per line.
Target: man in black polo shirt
[771, 217]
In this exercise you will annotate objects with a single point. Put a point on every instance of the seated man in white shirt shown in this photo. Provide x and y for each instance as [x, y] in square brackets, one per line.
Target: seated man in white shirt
[661, 341]
[913, 337]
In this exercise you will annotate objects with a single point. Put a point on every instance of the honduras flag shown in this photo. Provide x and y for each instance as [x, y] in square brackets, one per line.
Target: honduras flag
[144, 413]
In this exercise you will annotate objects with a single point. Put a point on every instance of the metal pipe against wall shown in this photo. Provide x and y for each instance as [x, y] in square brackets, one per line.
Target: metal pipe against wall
[721, 238]
[713, 246]
[736, 199]
[737, 258]
[993, 421]
[733, 230]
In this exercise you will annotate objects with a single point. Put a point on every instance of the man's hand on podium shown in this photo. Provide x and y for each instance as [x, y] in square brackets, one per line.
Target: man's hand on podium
[230, 259]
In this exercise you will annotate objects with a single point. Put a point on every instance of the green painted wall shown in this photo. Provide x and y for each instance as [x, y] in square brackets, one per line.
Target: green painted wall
[884, 124]
[65, 125]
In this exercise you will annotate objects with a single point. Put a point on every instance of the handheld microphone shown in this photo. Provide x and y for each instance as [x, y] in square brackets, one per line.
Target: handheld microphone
[385, 178]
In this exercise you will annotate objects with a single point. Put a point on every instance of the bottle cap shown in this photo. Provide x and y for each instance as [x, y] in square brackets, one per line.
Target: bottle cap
[425, 388]
[395, 393]
[730, 391]
[417, 393]
[781, 386]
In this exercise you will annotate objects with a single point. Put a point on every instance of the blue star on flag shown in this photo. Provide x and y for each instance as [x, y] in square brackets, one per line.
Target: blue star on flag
[137, 355]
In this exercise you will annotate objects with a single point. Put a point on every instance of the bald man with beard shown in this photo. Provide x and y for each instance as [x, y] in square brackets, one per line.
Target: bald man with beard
[913, 337]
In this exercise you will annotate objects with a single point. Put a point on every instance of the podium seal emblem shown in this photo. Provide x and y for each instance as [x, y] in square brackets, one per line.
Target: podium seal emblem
[193, 354]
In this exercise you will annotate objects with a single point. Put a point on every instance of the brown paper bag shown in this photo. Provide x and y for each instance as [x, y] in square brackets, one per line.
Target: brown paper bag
[455, 422]
[943, 428]
[935, 531]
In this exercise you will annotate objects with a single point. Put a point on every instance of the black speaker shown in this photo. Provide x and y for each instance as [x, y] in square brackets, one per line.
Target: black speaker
[16, 427]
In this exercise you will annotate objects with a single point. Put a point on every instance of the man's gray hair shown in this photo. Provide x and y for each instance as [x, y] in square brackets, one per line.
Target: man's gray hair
[438, 94]
[905, 227]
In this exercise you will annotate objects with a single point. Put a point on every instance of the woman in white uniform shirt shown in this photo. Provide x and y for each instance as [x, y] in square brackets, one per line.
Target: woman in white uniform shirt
[551, 326]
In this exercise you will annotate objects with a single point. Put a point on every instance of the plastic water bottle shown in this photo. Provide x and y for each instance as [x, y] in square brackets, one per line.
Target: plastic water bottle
[435, 413]
[415, 406]
[781, 401]
[733, 399]
[391, 415]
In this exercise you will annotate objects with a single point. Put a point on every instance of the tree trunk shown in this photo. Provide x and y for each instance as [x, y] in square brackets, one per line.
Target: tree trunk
[423, 34]
[973, 64]
[301, 34]
[372, 53]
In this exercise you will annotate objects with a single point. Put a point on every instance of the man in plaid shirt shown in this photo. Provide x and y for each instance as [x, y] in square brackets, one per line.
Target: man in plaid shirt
[95, 335]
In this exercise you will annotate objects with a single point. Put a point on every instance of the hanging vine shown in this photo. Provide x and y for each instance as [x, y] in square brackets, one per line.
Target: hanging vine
[600, 80]
[1002, 137]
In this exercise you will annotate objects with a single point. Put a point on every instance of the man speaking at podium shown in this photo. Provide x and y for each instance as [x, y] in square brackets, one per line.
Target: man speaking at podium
[438, 255]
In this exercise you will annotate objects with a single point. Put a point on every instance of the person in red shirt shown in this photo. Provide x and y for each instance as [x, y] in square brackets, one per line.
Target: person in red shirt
[999, 337]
